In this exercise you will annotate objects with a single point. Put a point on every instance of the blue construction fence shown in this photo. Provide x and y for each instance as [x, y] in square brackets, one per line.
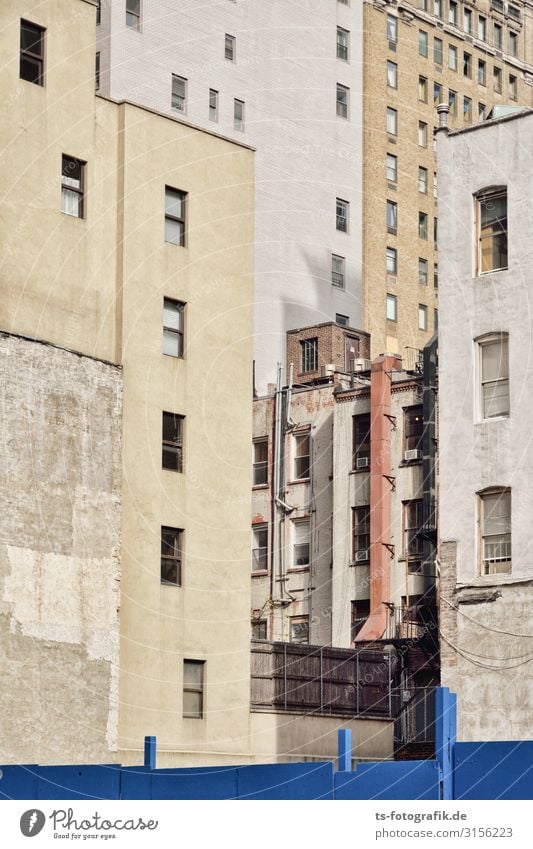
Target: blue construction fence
[460, 771]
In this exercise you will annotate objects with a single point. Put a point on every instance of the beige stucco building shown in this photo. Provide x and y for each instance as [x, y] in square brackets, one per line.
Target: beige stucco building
[127, 243]
[417, 55]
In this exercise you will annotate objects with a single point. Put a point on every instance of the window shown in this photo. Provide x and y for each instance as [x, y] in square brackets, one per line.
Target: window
[193, 689]
[72, 186]
[259, 629]
[392, 28]
[413, 546]
[467, 65]
[238, 115]
[422, 225]
[309, 355]
[213, 104]
[452, 13]
[435, 320]
[260, 548]
[175, 202]
[173, 323]
[392, 216]
[437, 8]
[422, 180]
[343, 44]
[467, 110]
[513, 11]
[300, 533]
[423, 271]
[467, 21]
[31, 53]
[343, 96]
[482, 72]
[435, 190]
[98, 12]
[437, 51]
[260, 464]
[171, 556]
[97, 72]
[495, 526]
[423, 89]
[481, 111]
[482, 28]
[494, 373]
[392, 168]
[435, 276]
[299, 629]
[361, 534]
[302, 456]
[173, 441]
[498, 36]
[342, 211]
[392, 261]
[422, 317]
[392, 75]
[492, 231]
[413, 423]
[229, 47]
[513, 90]
[513, 43]
[343, 320]
[392, 308]
[361, 441]
[498, 80]
[437, 94]
[337, 271]
[435, 230]
[452, 58]
[422, 42]
[133, 14]
[422, 134]
[423, 5]
[179, 93]
[392, 121]
[452, 101]
[360, 613]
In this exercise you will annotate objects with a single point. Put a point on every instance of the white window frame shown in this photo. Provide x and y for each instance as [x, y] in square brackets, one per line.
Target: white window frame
[490, 339]
[422, 317]
[502, 563]
[213, 105]
[338, 271]
[179, 94]
[238, 119]
[230, 47]
[392, 313]
[343, 101]
[392, 121]
[300, 539]
[260, 552]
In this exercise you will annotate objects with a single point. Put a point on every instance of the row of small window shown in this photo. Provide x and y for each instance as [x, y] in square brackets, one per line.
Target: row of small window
[392, 313]
[438, 52]
[392, 127]
[298, 629]
[423, 91]
[301, 459]
[423, 266]
[300, 547]
[413, 431]
[423, 181]
[423, 222]
[179, 102]
[469, 21]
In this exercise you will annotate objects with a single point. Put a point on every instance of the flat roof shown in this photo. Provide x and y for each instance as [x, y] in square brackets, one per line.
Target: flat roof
[491, 122]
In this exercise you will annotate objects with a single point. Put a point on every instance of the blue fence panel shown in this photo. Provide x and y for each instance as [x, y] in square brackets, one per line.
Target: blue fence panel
[19, 782]
[210, 782]
[78, 782]
[390, 780]
[502, 770]
[286, 781]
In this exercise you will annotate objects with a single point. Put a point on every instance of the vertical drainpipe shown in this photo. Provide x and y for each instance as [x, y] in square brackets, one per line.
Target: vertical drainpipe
[380, 495]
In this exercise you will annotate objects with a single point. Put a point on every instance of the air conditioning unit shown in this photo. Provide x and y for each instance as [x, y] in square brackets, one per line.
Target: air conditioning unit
[362, 463]
[327, 370]
[412, 454]
[360, 364]
[362, 555]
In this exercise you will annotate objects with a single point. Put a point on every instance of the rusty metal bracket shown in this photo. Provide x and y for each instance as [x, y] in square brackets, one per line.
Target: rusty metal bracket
[392, 481]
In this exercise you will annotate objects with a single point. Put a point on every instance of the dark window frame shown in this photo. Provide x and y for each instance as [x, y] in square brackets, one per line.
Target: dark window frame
[197, 689]
[171, 564]
[28, 54]
[172, 449]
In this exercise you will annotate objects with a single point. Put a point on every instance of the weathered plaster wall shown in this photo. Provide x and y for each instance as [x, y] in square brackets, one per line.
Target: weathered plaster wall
[489, 660]
[60, 426]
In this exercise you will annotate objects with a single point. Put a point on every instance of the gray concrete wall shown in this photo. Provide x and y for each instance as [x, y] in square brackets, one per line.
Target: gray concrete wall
[59, 554]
